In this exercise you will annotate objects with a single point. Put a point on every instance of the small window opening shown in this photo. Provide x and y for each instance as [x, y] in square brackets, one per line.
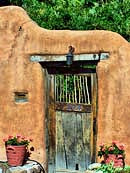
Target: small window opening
[73, 88]
[21, 97]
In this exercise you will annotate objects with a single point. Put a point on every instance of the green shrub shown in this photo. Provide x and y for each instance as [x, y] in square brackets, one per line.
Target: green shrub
[108, 168]
[110, 15]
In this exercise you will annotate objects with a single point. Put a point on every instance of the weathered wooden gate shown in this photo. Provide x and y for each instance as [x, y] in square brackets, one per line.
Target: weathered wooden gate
[71, 113]
[70, 110]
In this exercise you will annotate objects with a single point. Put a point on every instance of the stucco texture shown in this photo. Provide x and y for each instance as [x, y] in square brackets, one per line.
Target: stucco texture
[20, 37]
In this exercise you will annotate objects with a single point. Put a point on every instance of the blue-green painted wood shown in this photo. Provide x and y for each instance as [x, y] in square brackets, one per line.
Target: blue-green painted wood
[72, 140]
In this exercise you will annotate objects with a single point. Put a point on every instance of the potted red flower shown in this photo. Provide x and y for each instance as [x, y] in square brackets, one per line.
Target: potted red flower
[16, 149]
[113, 152]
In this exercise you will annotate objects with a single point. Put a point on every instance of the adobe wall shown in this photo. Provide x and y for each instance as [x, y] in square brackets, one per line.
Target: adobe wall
[20, 37]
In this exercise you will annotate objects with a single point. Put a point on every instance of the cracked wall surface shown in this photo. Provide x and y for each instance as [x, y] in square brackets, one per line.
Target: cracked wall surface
[20, 37]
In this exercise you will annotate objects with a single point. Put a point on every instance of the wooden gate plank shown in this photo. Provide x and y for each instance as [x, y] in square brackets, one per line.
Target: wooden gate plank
[86, 129]
[69, 130]
[73, 140]
[60, 149]
[51, 126]
[83, 140]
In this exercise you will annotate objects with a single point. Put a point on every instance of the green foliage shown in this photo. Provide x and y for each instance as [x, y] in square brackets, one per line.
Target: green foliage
[113, 148]
[125, 170]
[111, 15]
[17, 140]
[14, 141]
[108, 168]
[4, 166]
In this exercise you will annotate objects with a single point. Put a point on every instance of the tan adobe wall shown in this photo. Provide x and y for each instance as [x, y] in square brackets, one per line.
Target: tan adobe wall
[20, 37]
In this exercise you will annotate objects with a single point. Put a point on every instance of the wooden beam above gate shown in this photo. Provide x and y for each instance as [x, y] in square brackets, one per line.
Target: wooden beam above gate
[81, 57]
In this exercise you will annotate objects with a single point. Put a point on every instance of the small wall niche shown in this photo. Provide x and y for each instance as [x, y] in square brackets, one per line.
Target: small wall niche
[21, 96]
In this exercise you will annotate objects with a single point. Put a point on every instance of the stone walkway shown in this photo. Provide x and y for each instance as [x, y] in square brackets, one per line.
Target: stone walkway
[27, 168]
[73, 171]
[33, 167]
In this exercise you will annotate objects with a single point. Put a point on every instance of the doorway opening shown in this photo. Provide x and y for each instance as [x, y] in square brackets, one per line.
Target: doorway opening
[70, 115]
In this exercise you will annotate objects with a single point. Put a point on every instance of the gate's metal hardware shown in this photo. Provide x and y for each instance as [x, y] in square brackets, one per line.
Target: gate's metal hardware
[20, 28]
[69, 56]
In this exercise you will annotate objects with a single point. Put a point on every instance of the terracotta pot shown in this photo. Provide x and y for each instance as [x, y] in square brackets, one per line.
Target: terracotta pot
[118, 160]
[15, 154]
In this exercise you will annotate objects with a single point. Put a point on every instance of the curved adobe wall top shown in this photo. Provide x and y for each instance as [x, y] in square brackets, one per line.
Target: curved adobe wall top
[41, 41]
[21, 37]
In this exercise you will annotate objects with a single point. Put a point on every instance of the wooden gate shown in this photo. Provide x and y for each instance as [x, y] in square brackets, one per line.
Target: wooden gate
[71, 113]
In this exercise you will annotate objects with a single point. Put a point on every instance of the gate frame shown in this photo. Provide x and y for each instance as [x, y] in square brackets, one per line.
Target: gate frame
[48, 61]
[51, 122]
